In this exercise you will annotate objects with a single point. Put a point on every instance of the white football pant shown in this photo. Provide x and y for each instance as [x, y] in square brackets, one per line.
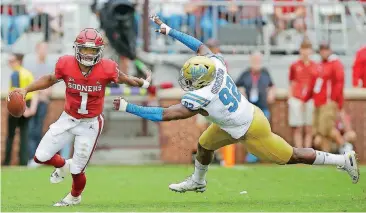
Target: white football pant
[84, 133]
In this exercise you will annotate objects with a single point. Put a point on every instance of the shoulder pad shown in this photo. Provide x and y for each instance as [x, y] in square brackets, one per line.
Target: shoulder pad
[63, 60]
[108, 65]
[219, 57]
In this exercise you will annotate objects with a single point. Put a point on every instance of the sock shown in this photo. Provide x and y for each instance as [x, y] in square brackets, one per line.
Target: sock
[200, 171]
[56, 161]
[324, 158]
[78, 184]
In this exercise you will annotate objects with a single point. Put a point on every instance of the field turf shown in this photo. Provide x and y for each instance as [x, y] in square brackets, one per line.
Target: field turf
[145, 188]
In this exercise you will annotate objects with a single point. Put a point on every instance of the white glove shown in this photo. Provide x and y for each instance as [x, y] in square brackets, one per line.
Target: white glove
[120, 104]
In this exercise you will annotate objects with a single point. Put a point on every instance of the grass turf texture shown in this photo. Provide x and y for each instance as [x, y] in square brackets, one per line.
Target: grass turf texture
[145, 188]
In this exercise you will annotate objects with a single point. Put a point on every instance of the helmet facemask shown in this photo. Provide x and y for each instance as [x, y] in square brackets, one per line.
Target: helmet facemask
[88, 55]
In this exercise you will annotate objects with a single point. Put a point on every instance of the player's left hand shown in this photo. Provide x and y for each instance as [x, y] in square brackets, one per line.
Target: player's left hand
[162, 25]
[120, 104]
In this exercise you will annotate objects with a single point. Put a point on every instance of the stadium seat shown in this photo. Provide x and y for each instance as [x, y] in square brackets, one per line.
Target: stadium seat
[239, 35]
[358, 15]
[330, 20]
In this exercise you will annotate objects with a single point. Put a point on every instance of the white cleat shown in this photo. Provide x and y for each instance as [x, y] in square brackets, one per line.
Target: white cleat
[69, 200]
[351, 166]
[59, 174]
[188, 185]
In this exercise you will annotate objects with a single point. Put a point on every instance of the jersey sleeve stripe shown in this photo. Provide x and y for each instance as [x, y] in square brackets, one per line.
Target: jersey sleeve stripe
[201, 103]
[196, 96]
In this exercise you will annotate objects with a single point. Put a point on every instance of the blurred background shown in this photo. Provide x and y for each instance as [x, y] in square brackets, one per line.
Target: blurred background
[259, 39]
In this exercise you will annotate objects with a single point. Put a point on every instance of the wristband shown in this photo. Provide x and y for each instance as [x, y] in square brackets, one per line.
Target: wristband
[167, 28]
[146, 84]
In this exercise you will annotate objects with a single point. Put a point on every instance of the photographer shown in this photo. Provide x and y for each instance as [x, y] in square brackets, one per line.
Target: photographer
[117, 19]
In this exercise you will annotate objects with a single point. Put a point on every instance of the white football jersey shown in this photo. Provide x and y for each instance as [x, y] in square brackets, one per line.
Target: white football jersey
[226, 106]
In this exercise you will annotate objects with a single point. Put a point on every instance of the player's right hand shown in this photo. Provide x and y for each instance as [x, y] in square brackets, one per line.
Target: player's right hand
[162, 26]
[22, 91]
[120, 104]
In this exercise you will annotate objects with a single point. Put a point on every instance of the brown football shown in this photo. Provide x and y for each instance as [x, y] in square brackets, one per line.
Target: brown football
[15, 104]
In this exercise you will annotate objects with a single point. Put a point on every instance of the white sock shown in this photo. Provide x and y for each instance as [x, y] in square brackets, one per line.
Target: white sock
[325, 158]
[200, 171]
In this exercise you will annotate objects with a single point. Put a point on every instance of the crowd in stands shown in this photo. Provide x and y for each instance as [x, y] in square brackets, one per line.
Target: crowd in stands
[195, 17]
[33, 17]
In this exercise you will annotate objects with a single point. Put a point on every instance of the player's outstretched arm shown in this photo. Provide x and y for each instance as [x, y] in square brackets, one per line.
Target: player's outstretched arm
[42, 83]
[133, 81]
[191, 42]
[175, 112]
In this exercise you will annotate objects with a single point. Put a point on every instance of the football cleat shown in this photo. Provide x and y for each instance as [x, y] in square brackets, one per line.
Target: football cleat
[351, 166]
[69, 200]
[188, 185]
[59, 174]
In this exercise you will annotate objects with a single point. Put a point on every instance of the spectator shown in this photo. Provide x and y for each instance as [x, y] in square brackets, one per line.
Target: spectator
[39, 67]
[256, 84]
[20, 78]
[289, 16]
[14, 22]
[251, 14]
[327, 92]
[46, 17]
[173, 13]
[301, 115]
[359, 68]
[205, 16]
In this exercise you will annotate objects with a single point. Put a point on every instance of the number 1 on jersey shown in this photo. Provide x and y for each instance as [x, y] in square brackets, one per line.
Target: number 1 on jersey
[84, 100]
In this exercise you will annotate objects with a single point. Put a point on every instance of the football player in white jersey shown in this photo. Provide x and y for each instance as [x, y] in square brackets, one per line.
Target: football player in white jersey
[212, 93]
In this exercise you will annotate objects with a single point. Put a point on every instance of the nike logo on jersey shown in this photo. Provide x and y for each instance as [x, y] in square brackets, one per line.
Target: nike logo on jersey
[84, 88]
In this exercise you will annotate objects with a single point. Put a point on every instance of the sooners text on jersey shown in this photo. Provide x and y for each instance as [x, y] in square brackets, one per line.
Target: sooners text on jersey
[85, 94]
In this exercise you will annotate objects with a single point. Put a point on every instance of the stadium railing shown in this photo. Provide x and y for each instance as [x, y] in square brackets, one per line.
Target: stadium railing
[242, 26]
[25, 22]
[239, 26]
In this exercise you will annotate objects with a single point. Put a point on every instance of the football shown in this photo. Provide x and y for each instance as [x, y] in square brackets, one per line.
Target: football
[15, 104]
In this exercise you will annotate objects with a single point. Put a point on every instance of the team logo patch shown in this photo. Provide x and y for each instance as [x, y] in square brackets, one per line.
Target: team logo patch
[197, 71]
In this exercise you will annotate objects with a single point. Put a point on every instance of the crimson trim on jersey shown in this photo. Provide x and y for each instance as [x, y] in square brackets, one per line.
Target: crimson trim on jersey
[101, 125]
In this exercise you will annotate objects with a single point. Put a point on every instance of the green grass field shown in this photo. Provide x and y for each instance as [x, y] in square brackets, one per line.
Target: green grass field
[145, 188]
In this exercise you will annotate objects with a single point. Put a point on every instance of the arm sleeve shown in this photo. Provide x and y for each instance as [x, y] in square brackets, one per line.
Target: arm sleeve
[191, 42]
[193, 101]
[150, 113]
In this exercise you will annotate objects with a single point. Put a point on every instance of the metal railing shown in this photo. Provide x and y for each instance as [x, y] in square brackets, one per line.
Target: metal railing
[26, 22]
[242, 26]
[239, 26]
